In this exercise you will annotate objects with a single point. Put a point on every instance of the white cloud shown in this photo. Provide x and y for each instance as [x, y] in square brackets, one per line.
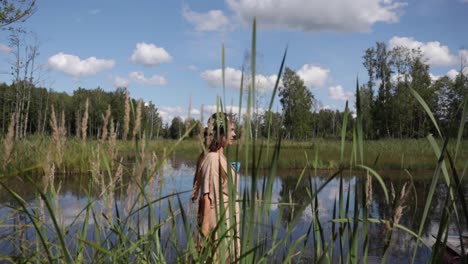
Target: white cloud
[208, 110]
[452, 74]
[154, 80]
[214, 77]
[318, 15]
[168, 113]
[150, 55]
[120, 82]
[5, 49]
[94, 11]
[338, 93]
[463, 54]
[435, 53]
[193, 68]
[233, 79]
[465, 71]
[213, 20]
[74, 66]
[313, 76]
[435, 77]
[265, 83]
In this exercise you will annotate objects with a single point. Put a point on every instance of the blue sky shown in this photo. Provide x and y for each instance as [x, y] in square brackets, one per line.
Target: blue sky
[170, 51]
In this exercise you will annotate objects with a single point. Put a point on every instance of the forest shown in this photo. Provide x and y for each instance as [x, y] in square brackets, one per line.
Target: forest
[389, 109]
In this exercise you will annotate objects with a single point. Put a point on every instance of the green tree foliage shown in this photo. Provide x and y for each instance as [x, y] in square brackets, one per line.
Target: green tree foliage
[449, 94]
[276, 124]
[189, 122]
[73, 106]
[327, 123]
[392, 111]
[177, 128]
[297, 102]
[12, 11]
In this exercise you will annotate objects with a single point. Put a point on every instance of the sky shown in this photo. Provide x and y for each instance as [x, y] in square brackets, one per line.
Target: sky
[169, 52]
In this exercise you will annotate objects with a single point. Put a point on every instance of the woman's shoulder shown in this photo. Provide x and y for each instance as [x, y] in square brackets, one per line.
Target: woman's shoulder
[212, 155]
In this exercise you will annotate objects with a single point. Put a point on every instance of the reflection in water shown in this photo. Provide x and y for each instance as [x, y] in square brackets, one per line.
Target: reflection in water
[290, 200]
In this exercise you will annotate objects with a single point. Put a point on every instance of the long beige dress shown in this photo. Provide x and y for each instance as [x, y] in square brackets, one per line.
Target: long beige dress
[215, 183]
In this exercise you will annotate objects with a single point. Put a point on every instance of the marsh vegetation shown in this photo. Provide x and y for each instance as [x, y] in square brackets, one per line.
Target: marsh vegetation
[112, 198]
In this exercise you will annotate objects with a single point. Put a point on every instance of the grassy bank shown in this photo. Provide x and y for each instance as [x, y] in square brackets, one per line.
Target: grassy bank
[388, 154]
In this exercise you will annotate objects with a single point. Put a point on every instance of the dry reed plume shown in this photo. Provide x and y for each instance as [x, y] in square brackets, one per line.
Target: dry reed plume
[137, 173]
[153, 176]
[8, 143]
[47, 180]
[58, 135]
[84, 122]
[368, 190]
[126, 116]
[400, 203]
[98, 177]
[105, 120]
[113, 181]
[137, 126]
[78, 124]
[398, 207]
[112, 144]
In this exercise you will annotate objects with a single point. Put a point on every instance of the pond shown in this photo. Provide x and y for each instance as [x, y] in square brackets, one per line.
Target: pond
[290, 202]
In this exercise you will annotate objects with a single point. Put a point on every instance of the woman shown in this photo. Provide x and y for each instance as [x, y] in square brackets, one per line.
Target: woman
[216, 177]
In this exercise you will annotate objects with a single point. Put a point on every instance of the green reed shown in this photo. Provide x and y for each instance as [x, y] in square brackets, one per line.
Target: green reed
[139, 230]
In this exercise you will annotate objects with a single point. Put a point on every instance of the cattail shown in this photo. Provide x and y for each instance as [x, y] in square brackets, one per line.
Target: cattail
[105, 123]
[84, 122]
[126, 116]
[137, 126]
[9, 141]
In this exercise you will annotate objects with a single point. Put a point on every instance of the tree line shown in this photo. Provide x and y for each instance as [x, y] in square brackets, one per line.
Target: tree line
[388, 107]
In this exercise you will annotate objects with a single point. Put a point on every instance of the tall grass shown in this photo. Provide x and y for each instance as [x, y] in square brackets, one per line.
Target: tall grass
[135, 220]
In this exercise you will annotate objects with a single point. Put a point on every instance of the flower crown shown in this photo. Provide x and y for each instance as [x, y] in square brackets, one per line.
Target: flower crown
[216, 122]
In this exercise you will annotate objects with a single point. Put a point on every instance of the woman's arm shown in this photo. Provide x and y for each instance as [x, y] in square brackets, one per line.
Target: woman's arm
[206, 205]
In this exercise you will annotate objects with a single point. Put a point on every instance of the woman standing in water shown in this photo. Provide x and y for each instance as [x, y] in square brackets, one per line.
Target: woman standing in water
[218, 181]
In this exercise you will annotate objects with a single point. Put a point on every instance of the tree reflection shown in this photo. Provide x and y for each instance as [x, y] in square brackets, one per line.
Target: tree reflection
[294, 197]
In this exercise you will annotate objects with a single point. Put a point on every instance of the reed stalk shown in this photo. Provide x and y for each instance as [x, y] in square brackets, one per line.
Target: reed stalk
[8, 142]
[126, 116]
[84, 121]
[137, 126]
[105, 124]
